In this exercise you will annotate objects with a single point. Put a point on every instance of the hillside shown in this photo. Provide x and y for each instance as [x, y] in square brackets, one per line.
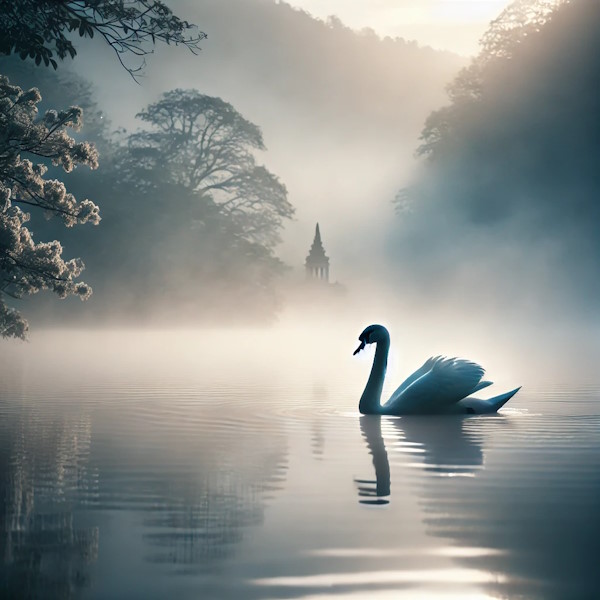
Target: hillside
[508, 194]
[340, 110]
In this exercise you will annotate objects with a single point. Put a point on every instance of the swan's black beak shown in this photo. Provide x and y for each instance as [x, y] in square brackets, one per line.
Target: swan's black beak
[361, 347]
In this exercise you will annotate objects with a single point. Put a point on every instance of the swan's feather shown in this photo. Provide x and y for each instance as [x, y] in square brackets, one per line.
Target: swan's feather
[418, 373]
[481, 385]
[438, 385]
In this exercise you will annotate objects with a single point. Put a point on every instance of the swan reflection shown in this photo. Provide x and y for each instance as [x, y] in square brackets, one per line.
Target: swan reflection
[446, 446]
[500, 521]
[377, 491]
[451, 446]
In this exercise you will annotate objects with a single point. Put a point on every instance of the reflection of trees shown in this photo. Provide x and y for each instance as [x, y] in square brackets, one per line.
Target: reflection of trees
[317, 437]
[533, 520]
[203, 518]
[537, 511]
[199, 480]
[44, 553]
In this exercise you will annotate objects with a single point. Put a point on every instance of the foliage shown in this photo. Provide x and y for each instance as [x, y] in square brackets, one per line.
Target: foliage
[215, 214]
[512, 161]
[42, 29]
[204, 145]
[27, 267]
[516, 26]
[173, 251]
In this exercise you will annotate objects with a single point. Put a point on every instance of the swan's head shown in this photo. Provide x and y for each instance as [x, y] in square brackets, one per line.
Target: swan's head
[371, 335]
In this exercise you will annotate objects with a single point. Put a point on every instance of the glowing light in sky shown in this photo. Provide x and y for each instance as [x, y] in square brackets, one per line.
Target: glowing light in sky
[454, 25]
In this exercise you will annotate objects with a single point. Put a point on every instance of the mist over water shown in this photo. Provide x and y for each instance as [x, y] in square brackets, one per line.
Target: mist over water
[192, 430]
[232, 463]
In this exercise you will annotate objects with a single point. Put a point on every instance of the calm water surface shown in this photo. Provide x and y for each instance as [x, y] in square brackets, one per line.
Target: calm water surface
[171, 466]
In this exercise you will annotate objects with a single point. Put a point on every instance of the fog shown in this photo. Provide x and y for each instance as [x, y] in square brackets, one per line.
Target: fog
[443, 24]
[340, 111]
[194, 424]
[501, 216]
[494, 238]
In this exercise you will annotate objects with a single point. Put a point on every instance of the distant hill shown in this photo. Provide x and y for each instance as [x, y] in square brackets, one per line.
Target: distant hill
[341, 110]
[507, 204]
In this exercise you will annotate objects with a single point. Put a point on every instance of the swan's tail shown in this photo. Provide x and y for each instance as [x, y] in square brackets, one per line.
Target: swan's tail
[477, 406]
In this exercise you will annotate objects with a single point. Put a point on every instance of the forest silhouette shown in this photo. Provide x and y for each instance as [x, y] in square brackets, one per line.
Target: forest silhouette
[505, 185]
[505, 201]
[178, 244]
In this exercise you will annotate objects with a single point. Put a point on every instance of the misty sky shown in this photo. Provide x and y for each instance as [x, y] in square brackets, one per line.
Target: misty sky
[453, 25]
[341, 115]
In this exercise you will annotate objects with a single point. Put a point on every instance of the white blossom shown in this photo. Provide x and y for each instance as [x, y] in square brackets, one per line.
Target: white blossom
[27, 267]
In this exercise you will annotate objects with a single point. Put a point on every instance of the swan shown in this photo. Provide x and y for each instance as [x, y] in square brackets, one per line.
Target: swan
[441, 386]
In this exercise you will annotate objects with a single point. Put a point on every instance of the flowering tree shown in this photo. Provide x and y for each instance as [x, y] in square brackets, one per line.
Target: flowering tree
[26, 267]
[43, 30]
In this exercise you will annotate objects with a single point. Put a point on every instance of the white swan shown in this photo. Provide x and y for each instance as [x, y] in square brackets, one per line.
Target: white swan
[441, 386]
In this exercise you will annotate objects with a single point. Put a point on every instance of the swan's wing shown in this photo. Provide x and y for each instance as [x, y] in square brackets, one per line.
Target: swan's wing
[446, 382]
[412, 378]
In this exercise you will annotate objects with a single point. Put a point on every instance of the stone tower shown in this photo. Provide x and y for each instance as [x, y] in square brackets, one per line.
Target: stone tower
[317, 262]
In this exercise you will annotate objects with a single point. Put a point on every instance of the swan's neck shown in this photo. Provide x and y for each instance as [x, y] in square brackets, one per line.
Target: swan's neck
[370, 401]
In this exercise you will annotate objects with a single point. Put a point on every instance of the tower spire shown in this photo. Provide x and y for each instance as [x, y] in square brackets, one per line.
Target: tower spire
[317, 262]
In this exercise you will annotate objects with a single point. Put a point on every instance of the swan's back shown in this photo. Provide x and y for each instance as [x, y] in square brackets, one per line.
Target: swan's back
[436, 387]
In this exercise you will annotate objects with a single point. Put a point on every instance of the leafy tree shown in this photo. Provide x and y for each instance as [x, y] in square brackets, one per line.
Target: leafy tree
[515, 25]
[207, 216]
[27, 267]
[205, 146]
[174, 242]
[41, 29]
[63, 88]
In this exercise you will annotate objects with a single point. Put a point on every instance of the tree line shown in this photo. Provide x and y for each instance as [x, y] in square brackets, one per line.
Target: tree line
[189, 219]
[507, 191]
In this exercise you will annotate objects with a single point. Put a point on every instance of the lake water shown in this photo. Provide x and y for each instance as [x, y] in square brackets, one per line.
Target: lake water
[216, 465]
